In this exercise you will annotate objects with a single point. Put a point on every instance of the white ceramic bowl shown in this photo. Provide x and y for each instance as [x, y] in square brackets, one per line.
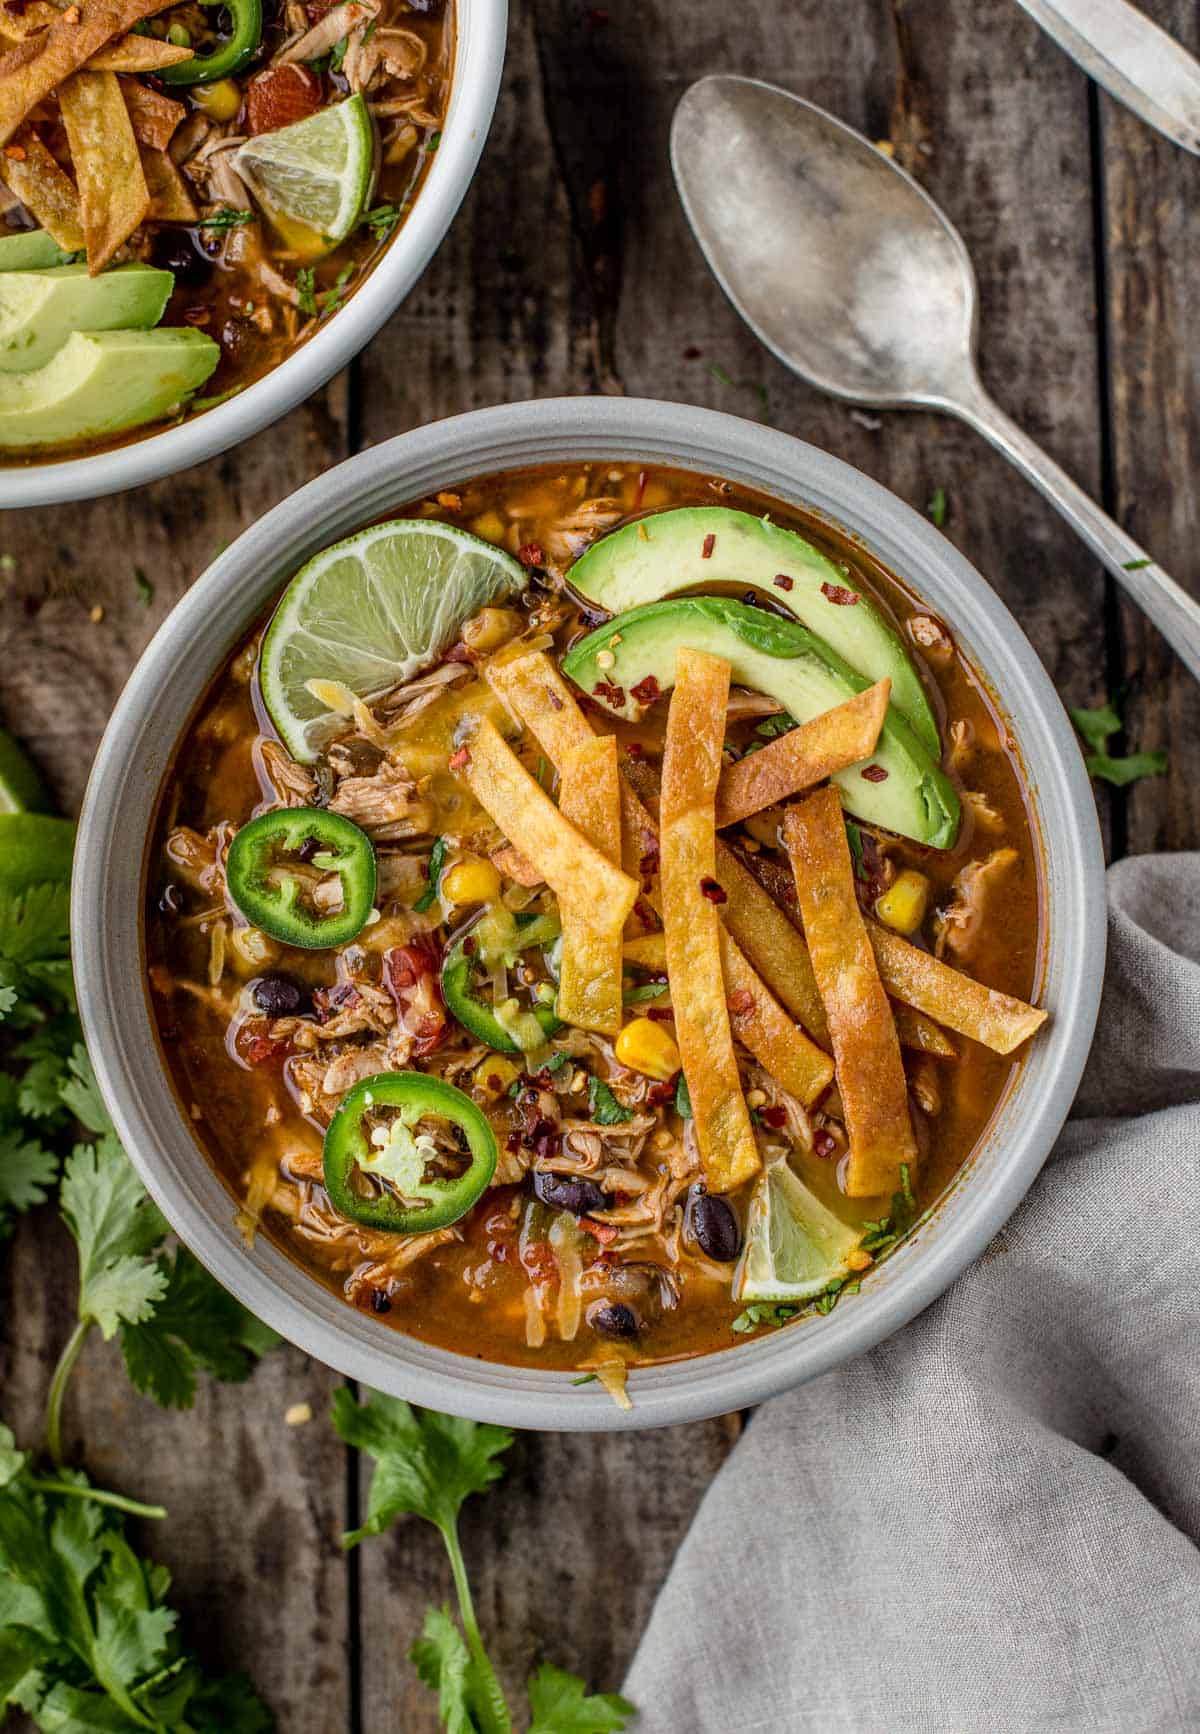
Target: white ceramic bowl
[175, 671]
[480, 33]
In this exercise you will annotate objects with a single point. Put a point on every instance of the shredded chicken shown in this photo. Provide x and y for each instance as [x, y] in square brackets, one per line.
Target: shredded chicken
[977, 904]
[387, 804]
[576, 530]
[325, 35]
[293, 785]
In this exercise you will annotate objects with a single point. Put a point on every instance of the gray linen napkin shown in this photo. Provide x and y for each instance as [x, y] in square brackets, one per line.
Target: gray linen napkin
[988, 1525]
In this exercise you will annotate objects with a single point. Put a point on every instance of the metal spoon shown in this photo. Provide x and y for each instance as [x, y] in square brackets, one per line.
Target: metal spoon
[850, 274]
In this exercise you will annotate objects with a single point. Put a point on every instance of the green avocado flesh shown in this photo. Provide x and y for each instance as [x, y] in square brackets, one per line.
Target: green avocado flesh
[34, 250]
[792, 666]
[40, 309]
[103, 383]
[697, 546]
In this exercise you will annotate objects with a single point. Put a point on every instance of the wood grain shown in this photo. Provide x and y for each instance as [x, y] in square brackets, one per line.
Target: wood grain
[570, 270]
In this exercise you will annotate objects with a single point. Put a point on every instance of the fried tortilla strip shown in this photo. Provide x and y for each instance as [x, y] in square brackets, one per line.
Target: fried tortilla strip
[589, 987]
[138, 54]
[39, 65]
[45, 189]
[16, 25]
[918, 1032]
[773, 944]
[113, 194]
[804, 756]
[996, 1019]
[533, 824]
[152, 115]
[170, 201]
[687, 839]
[870, 1075]
[537, 695]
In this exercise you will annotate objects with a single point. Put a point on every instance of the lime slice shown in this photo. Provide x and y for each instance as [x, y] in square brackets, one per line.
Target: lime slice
[795, 1245]
[21, 788]
[371, 612]
[317, 173]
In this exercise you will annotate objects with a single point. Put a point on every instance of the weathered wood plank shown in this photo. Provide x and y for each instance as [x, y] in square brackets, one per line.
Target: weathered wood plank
[1151, 209]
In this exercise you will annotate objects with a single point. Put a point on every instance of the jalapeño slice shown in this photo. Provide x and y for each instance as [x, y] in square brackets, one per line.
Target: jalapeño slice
[230, 55]
[519, 1033]
[275, 862]
[376, 1136]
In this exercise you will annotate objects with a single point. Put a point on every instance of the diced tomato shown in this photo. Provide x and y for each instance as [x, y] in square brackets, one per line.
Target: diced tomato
[605, 1232]
[262, 1050]
[410, 975]
[279, 96]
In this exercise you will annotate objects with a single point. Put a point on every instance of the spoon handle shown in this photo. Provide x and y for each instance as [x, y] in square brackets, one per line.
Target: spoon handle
[1173, 611]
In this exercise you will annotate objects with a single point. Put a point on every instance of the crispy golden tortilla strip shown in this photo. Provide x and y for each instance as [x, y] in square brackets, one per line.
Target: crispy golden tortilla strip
[804, 756]
[687, 839]
[39, 65]
[589, 987]
[113, 194]
[138, 54]
[45, 189]
[773, 944]
[170, 201]
[920, 1033]
[153, 116]
[870, 1075]
[984, 1014]
[533, 824]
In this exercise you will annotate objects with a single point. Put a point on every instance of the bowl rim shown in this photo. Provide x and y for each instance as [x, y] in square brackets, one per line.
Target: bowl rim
[160, 696]
[481, 28]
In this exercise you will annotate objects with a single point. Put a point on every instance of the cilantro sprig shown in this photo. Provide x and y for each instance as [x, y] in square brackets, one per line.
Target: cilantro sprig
[1097, 728]
[427, 1465]
[604, 1106]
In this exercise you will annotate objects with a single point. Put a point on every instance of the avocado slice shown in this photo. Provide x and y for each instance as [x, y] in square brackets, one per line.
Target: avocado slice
[40, 309]
[670, 552]
[102, 383]
[31, 250]
[790, 664]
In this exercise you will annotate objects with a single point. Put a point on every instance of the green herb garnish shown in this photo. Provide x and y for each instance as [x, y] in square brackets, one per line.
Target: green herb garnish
[1135, 565]
[938, 507]
[225, 218]
[854, 838]
[331, 300]
[683, 1098]
[762, 1314]
[605, 1109]
[880, 1237]
[306, 290]
[382, 220]
[145, 589]
[1097, 728]
[648, 990]
[437, 859]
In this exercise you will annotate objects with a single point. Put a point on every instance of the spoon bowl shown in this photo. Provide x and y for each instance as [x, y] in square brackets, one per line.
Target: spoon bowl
[849, 273]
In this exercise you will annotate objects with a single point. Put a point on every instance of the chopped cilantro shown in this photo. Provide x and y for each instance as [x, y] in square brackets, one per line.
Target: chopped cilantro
[604, 1106]
[225, 218]
[683, 1098]
[854, 838]
[762, 1313]
[1135, 565]
[382, 220]
[648, 990]
[145, 589]
[1097, 728]
[306, 290]
[331, 300]
[432, 143]
[437, 858]
[339, 54]
[880, 1237]
[937, 507]
[556, 1063]
[585, 1379]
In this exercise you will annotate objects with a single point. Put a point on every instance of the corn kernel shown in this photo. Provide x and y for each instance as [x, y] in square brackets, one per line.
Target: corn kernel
[470, 881]
[860, 1259]
[490, 628]
[646, 1047]
[491, 526]
[220, 100]
[252, 950]
[494, 1075]
[902, 906]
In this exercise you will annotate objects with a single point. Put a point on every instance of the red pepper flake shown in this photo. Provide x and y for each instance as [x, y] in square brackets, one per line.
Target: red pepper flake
[553, 699]
[775, 1118]
[469, 946]
[531, 554]
[645, 915]
[781, 581]
[824, 1143]
[605, 1232]
[646, 691]
[710, 542]
[839, 595]
[648, 865]
[460, 760]
[659, 1015]
[635, 750]
[741, 1001]
[874, 773]
[610, 694]
[715, 893]
[658, 1095]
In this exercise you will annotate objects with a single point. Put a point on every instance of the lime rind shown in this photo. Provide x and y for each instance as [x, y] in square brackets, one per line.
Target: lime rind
[795, 1245]
[317, 172]
[371, 612]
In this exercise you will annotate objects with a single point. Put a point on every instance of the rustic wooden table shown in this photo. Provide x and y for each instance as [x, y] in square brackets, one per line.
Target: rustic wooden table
[570, 270]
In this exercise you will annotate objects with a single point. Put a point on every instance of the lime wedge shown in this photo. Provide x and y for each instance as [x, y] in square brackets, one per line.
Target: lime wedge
[795, 1245]
[317, 173]
[371, 612]
[21, 788]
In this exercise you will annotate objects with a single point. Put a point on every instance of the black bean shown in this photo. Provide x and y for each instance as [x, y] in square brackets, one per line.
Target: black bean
[570, 1192]
[714, 1227]
[176, 250]
[381, 1301]
[171, 900]
[279, 996]
[613, 1319]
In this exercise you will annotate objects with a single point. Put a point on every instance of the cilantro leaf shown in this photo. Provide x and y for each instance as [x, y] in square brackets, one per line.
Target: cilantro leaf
[1123, 771]
[761, 1314]
[195, 1321]
[605, 1109]
[854, 838]
[938, 507]
[683, 1098]
[560, 1705]
[81, 1093]
[33, 921]
[27, 1170]
[880, 1237]
[115, 1227]
[1096, 725]
[443, 1662]
[426, 1463]
[647, 991]
[437, 858]
[306, 290]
